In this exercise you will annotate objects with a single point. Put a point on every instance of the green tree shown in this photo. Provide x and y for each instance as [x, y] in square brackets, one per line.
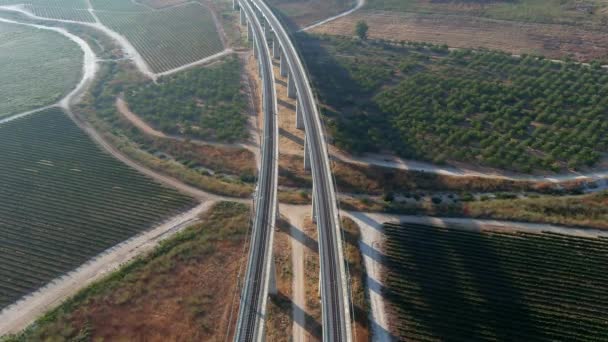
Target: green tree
[361, 29]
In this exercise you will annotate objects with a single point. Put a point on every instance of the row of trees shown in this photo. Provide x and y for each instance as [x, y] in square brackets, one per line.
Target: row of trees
[205, 103]
[477, 106]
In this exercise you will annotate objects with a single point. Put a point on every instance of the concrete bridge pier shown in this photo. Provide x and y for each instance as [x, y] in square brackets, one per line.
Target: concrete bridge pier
[306, 155]
[256, 49]
[276, 47]
[272, 281]
[235, 4]
[249, 32]
[243, 17]
[299, 116]
[283, 67]
[291, 87]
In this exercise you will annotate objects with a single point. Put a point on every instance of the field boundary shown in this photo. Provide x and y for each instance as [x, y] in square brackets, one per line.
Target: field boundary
[19, 315]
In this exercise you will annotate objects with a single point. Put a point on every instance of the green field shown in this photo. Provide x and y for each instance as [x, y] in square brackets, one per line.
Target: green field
[30, 78]
[457, 285]
[56, 9]
[168, 38]
[65, 201]
[205, 103]
[425, 102]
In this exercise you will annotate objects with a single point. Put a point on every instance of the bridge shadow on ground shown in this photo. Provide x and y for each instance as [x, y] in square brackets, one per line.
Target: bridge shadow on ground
[298, 314]
[452, 285]
[291, 136]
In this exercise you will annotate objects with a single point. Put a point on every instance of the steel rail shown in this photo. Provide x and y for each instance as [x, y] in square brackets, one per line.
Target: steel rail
[252, 310]
[334, 278]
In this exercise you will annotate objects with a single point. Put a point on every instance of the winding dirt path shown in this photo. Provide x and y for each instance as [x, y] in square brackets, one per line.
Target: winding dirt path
[89, 69]
[359, 4]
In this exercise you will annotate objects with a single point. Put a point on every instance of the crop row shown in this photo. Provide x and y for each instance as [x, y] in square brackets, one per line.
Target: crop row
[170, 38]
[62, 13]
[63, 201]
[449, 284]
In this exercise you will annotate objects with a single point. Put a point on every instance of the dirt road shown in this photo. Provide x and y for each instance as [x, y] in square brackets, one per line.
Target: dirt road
[17, 316]
[296, 214]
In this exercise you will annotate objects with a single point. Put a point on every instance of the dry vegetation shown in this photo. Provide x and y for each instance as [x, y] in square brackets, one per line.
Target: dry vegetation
[356, 269]
[551, 40]
[183, 290]
[311, 275]
[300, 13]
[280, 321]
[376, 180]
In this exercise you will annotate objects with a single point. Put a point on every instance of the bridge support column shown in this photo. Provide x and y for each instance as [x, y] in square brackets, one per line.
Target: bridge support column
[235, 4]
[306, 155]
[291, 87]
[249, 32]
[313, 205]
[283, 65]
[276, 48]
[256, 50]
[243, 18]
[272, 281]
[299, 117]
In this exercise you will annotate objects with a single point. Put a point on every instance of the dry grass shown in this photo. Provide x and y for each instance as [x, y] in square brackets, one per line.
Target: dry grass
[183, 290]
[356, 268]
[280, 321]
[551, 40]
[311, 275]
[301, 13]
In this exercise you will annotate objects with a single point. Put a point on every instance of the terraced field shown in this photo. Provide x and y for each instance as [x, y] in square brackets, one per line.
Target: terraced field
[63, 201]
[30, 79]
[168, 38]
[456, 285]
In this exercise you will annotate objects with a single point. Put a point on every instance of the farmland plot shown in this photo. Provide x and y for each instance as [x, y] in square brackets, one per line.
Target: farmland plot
[55, 9]
[169, 38]
[457, 285]
[64, 201]
[30, 79]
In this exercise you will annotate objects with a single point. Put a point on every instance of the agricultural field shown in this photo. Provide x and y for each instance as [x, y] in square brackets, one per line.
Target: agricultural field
[459, 285]
[30, 79]
[168, 38]
[55, 9]
[486, 108]
[65, 201]
[571, 12]
[181, 291]
[301, 13]
[205, 103]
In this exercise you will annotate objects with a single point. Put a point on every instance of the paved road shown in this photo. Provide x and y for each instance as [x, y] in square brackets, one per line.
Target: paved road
[334, 289]
[250, 326]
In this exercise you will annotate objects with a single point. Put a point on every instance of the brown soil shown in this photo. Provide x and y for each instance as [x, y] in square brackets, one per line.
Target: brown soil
[162, 3]
[278, 325]
[551, 40]
[301, 13]
[313, 327]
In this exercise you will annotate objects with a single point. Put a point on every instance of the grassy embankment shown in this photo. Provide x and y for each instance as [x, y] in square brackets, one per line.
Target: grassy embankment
[98, 108]
[589, 211]
[182, 290]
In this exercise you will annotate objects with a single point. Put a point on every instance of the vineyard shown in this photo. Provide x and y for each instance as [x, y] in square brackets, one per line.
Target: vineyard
[29, 78]
[205, 103]
[423, 101]
[459, 285]
[65, 201]
[168, 38]
[55, 9]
